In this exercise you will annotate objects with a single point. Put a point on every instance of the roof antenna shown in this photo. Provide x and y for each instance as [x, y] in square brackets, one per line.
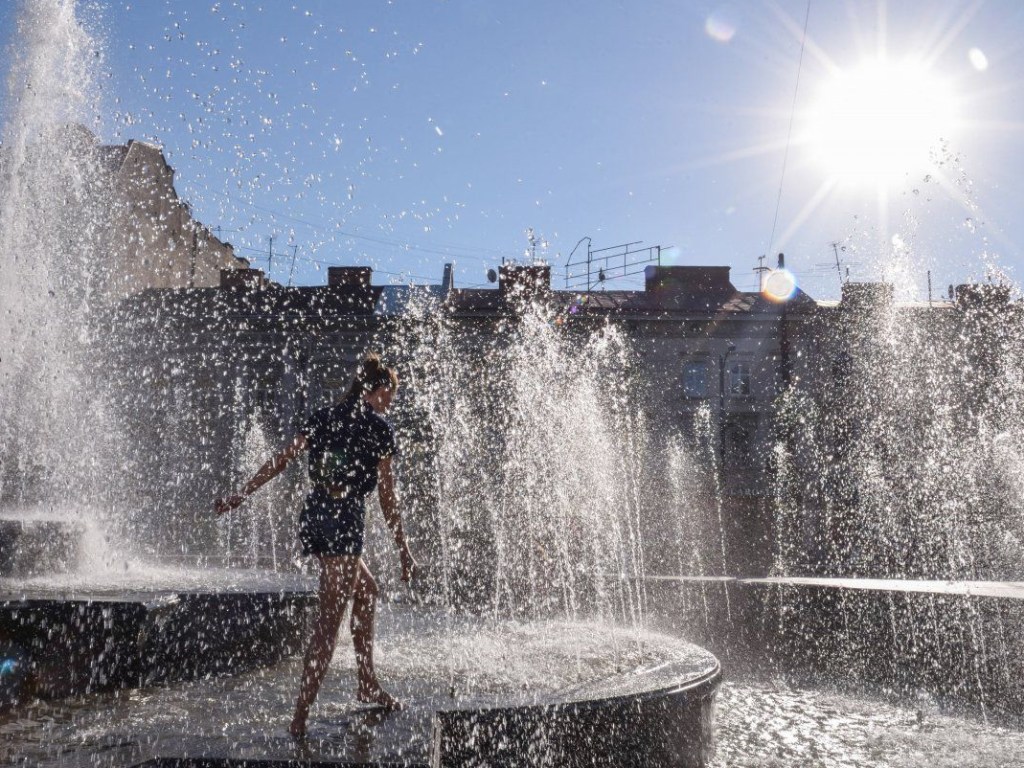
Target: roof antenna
[835, 250]
[760, 270]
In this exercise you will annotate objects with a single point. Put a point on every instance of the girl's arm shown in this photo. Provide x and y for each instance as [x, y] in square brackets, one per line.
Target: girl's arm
[393, 518]
[271, 469]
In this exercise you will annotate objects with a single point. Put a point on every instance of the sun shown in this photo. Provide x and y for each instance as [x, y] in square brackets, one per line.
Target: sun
[880, 122]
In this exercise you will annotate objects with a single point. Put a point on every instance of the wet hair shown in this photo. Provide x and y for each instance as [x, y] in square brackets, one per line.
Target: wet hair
[371, 375]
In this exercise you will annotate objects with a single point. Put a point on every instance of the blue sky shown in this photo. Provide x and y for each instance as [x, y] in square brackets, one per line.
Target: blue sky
[406, 134]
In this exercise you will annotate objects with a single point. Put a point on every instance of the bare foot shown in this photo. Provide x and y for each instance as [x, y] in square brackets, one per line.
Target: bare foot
[298, 728]
[380, 697]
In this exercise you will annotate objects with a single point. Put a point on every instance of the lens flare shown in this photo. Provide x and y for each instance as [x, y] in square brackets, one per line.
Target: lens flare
[779, 286]
[720, 27]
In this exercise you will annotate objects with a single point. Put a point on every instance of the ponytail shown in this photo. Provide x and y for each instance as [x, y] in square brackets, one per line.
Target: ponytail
[372, 374]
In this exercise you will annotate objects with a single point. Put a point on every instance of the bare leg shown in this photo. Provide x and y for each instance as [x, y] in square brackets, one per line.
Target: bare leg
[364, 605]
[337, 579]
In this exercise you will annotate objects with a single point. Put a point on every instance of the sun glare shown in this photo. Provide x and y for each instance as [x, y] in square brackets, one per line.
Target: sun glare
[880, 122]
[779, 285]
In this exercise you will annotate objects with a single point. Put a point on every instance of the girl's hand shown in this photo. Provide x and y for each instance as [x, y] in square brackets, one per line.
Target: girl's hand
[221, 506]
[409, 566]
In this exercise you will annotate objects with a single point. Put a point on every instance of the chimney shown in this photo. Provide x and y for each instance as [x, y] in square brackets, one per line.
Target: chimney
[247, 278]
[688, 281]
[524, 280]
[981, 296]
[448, 281]
[349, 277]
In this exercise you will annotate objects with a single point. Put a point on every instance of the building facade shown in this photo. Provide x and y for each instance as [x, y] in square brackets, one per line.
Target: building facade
[734, 376]
[156, 240]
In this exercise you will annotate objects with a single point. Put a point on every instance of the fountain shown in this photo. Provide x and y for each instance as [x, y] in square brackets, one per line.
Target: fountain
[897, 528]
[117, 609]
[81, 607]
[896, 485]
[48, 407]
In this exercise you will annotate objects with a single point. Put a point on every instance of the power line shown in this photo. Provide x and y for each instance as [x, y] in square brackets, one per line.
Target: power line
[405, 245]
[323, 263]
[789, 135]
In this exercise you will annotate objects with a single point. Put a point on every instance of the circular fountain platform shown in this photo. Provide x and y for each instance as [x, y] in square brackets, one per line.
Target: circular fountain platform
[72, 634]
[478, 692]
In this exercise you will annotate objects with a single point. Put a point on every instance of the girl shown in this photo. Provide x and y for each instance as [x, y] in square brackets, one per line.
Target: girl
[350, 449]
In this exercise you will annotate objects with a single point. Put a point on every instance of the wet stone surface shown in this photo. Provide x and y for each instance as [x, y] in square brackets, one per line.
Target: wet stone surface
[763, 724]
[773, 725]
[430, 662]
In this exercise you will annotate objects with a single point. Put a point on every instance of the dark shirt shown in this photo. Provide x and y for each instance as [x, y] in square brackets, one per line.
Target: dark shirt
[346, 442]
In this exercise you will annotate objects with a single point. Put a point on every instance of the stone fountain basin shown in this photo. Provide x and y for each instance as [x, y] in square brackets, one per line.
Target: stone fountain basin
[71, 634]
[478, 692]
[662, 715]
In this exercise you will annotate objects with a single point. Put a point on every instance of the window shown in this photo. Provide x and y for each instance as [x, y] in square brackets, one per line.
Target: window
[263, 394]
[738, 440]
[695, 379]
[739, 380]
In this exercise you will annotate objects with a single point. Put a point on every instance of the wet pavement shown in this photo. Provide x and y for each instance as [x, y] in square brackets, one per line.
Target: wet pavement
[774, 725]
[759, 724]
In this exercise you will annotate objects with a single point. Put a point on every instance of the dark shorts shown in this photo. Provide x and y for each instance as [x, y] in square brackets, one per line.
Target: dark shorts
[331, 527]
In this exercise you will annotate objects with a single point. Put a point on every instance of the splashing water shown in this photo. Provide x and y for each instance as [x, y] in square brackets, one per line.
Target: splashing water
[899, 459]
[56, 433]
[264, 536]
[542, 472]
[906, 449]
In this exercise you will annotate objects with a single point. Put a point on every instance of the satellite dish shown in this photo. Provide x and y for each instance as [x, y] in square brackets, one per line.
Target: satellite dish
[492, 276]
